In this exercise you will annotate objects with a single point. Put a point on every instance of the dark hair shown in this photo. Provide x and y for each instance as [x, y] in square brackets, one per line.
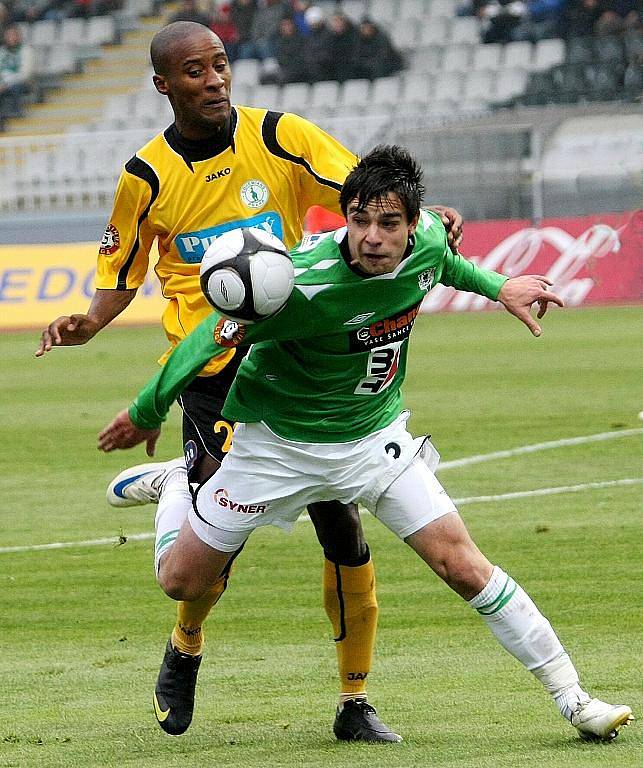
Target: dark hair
[385, 169]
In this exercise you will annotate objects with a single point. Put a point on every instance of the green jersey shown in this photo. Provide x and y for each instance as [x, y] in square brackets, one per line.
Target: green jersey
[329, 366]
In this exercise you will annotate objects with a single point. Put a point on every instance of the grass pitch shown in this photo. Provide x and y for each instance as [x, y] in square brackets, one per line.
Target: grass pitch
[84, 627]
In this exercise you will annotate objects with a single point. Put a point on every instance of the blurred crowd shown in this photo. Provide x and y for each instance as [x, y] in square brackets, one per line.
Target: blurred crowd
[35, 10]
[505, 21]
[297, 40]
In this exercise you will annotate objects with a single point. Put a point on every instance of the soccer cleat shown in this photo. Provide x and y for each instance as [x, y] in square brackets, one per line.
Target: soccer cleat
[141, 484]
[598, 721]
[174, 692]
[357, 720]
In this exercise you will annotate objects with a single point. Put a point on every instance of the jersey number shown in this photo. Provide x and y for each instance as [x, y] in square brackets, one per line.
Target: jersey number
[381, 368]
[224, 426]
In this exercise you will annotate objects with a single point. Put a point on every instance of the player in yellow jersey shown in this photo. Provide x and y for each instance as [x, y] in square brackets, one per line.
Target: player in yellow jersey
[218, 167]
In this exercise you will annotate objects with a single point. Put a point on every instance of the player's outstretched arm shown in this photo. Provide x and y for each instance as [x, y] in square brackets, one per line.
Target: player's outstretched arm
[71, 330]
[122, 433]
[519, 294]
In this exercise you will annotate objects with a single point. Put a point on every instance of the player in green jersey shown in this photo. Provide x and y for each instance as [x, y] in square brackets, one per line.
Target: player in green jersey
[320, 415]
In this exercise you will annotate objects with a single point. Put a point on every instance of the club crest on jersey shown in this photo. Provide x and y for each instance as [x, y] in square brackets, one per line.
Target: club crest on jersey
[425, 279]
[254, 193]
[229, 333]
[111, 241]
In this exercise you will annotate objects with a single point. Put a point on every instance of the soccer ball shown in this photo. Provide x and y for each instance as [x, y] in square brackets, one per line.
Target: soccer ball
[247, 274]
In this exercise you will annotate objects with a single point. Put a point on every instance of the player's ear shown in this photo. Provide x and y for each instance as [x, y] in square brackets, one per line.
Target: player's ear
[160, 84]
[413, 224]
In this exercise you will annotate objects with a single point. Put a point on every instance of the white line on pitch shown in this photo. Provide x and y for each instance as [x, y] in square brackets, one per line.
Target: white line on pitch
[550, 491]
[538, 447]
[465, 500]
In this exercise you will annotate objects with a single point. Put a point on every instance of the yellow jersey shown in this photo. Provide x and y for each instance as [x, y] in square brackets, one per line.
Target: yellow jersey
[266, 172]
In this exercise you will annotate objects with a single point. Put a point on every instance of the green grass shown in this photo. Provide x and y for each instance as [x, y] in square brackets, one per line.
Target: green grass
[83, 628]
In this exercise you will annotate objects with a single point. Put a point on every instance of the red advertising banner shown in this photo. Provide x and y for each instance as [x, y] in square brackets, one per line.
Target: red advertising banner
[590, 259]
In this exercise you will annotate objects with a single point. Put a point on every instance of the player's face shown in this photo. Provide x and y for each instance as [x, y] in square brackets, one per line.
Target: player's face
[378, 234]
[198, 85]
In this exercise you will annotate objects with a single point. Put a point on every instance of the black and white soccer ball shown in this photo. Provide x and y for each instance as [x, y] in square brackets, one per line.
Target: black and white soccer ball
[247, 274]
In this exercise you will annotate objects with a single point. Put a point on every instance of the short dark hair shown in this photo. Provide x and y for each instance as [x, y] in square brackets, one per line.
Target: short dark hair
[163, 42]
[386, 168]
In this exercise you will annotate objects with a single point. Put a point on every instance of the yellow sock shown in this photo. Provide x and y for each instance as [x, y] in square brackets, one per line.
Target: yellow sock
[351, 605]
[187, 635]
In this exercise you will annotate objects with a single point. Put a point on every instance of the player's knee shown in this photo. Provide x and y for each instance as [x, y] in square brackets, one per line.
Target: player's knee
[179, 585]
[464, 569]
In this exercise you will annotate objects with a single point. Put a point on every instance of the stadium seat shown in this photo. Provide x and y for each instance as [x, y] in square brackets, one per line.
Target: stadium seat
[465, 29]
[72, 32]
[434, 31]
[386, 91]
[43, 33]
[100, 30]
[487, 56]
[416, 90]
[324, 96]
[265, 96]
[405, 36]
[447, 91]
[355, 93]
[427, 58]
[509, 84]
[444, 8]
[518, 54]
[59, 61]
[246, 71]
[457, 58]
[295, 97]
[383, 12]
[354, 9]
[410, 9]
[548, 53]
[241, 94]
[478, 91]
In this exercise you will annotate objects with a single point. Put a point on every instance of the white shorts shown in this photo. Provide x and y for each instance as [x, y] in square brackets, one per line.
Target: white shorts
[267, 480]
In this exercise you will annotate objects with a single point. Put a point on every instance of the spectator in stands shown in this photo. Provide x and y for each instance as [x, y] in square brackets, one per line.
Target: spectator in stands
[581, 16]
[5, 18]
[243, 13]
[16, 70]
[190, 10]
[265, 27]
[619, 16]
[299, 8]
[342, 38]
[540, 20]
[375, 55]
[289, 52]
[316, 51]
[499, 18]
[223, 26]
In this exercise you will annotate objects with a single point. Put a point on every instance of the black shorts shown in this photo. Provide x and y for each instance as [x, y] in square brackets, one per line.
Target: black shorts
[205, 431]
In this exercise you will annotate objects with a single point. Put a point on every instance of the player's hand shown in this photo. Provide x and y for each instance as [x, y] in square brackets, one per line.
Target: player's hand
[67, 331]
[452, 221]
[518, 295]
[121, 433]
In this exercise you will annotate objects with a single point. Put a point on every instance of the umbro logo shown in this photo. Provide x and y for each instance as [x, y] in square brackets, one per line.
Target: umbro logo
[359, 319]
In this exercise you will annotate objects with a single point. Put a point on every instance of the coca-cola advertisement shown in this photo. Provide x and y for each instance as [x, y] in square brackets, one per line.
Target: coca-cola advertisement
[590, 259]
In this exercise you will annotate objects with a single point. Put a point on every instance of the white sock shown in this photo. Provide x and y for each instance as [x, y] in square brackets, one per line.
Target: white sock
[175, 501]
[569, 699]
[527, 635]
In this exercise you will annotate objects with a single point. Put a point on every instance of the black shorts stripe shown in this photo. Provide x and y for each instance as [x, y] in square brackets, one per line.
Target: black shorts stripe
[142, 170]
[269, 135]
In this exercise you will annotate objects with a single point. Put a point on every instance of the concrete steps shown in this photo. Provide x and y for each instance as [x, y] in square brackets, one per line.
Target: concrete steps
[81, 98]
